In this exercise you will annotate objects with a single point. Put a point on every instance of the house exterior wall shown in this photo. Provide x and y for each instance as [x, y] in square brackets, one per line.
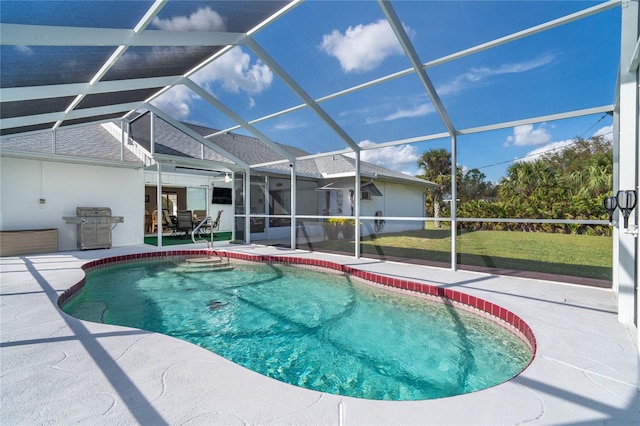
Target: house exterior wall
[307, 197]
[65, 186]
[397, 200]
[306, 204]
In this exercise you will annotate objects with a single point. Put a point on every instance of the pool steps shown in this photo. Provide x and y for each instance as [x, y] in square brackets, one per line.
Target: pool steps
[209, 264]
[206, 260]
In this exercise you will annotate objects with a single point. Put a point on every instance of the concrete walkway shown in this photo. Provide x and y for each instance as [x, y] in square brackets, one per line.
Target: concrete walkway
[56, 369]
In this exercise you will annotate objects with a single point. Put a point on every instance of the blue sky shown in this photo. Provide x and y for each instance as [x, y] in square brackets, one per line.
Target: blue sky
[328, 47]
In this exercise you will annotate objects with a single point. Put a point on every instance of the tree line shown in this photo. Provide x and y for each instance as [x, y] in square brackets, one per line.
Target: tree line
[564, 184]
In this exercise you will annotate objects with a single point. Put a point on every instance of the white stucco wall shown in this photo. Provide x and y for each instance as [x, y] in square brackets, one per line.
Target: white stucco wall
[65, 186]
[397, 200]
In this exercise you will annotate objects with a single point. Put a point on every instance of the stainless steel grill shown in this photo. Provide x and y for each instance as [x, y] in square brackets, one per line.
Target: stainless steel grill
[94, 226]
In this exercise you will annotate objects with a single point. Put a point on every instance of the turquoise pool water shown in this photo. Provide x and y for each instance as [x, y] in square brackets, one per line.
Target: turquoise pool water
[316, 330]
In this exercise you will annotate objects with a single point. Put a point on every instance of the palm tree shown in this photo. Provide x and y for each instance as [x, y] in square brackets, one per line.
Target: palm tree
[436, 164]
[594, 181]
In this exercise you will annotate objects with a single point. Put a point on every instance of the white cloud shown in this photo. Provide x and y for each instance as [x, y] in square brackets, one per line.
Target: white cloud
[606, 132]
[417, 111]
[528, 135]
[290, 125]
[157, 56]
[203, 19]
[236, 73]
[233, 70]
[402, 158]
[175, 102]
[363, 47]
[392, 108]
[25, 50]
[539, 152]
[476, 75]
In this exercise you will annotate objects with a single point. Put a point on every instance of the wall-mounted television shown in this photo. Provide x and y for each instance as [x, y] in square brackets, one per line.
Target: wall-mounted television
[221, 195]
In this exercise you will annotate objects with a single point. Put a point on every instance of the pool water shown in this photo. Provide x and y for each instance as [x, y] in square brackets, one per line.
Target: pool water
[316, 330]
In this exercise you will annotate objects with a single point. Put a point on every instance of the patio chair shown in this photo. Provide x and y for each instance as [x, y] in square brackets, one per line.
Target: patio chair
[147, 222]
[216, 223]
[184, 222]
[154, 221]
[168, 222]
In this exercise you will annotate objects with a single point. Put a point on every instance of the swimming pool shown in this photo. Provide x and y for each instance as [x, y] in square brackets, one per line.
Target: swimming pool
[340, 336]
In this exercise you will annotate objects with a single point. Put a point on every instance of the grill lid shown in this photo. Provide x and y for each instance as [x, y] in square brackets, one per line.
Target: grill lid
[93, 216]
[93, 211]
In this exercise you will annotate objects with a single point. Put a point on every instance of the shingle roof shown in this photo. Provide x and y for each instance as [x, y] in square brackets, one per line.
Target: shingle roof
[84, 142]
[337, 164]
[250, 149]
[253, 151]
[94, 141]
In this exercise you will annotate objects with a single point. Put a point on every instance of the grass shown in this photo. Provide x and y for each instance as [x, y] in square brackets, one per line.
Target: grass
[563, 254]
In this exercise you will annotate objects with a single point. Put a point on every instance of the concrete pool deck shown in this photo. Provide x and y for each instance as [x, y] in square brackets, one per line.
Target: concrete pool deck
[56, 369]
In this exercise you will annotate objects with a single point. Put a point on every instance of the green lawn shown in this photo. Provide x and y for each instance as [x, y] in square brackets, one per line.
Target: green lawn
[564, 254]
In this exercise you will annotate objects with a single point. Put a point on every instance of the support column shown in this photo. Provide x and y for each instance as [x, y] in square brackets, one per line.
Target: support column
[247, 204]
[122, 140]
[615, 231]
[357, 200]
[294, 221]
[152, 137]
[159, 204]
[454, 203]
[628, 161]
[233, 206]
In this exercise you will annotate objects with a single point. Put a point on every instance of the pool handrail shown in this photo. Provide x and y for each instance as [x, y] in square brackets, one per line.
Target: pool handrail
[197, 228]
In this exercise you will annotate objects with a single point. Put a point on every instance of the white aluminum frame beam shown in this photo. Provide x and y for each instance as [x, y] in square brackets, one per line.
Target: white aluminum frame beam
[412, 55]
[264, 118]
[292, 207]
[467, 52]
[635, 57]
[527, 32]
[140, 26]
[195, 135]
[481, 47]
[627, 164]
[533, 120]
[71, 159]
[206, 165]
[44, 35]
[30, 120]
[301, 93]
[212, 100]
[10, 94]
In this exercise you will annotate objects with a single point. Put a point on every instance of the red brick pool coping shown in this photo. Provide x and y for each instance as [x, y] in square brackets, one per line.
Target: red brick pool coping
[498, 313]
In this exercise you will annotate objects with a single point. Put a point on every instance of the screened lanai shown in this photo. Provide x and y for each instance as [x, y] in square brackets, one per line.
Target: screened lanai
[370, 85]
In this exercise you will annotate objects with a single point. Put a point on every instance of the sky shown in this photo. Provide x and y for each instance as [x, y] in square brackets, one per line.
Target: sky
[327, 47]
